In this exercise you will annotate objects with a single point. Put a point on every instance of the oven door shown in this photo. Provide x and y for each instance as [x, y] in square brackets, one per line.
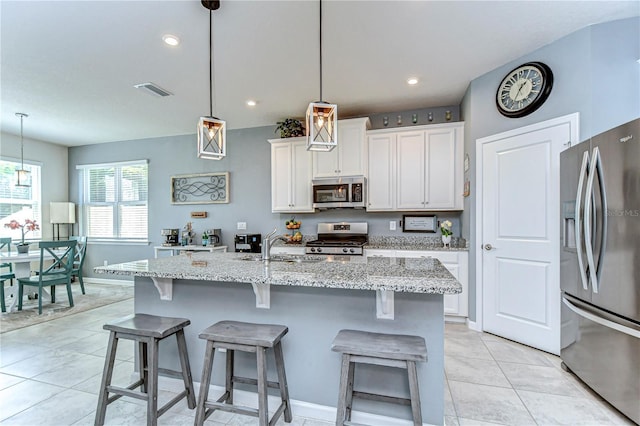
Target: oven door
[326, 196]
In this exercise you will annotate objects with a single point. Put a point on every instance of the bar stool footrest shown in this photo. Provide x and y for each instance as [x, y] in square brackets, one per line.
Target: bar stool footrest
[128, 392]
[236, 409]
[254, 382]
[171, 403]
[382, 398]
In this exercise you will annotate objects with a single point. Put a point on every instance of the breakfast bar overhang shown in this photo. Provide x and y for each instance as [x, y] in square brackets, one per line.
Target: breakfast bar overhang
[315, 297]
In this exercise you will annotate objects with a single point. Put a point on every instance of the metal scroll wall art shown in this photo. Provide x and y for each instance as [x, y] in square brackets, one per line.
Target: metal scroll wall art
[204, 188]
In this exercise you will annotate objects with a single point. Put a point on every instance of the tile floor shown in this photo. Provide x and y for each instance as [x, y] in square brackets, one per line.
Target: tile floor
[50, 375]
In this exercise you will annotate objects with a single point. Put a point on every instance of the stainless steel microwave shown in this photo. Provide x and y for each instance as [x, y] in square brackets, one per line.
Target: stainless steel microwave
[335, 193]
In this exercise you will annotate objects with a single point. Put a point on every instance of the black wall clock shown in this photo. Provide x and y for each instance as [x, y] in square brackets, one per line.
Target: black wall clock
[524, 89]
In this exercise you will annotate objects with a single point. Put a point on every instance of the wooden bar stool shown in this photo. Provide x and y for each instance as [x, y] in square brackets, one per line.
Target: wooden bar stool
[390, 350]
[241, 336]
[147, 330]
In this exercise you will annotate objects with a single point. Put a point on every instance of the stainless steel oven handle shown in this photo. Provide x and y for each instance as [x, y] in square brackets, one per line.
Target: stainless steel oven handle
[577, 223]
[587, 221]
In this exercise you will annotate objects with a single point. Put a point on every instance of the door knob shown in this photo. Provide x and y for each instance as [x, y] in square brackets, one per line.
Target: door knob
[488, 247]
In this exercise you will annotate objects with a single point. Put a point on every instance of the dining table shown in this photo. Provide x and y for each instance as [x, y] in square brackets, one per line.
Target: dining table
[22, 268]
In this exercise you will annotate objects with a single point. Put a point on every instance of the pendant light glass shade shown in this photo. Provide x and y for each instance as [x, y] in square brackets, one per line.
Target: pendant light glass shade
[212, 138]
[212, 132]
[23, 177]
[322, 126]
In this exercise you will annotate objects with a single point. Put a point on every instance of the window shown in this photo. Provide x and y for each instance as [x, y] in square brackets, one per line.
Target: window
[19, 202]
[114, 201]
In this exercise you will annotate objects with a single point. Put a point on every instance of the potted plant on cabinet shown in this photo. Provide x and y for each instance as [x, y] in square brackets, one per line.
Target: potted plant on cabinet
[28, 225]
[290, 128]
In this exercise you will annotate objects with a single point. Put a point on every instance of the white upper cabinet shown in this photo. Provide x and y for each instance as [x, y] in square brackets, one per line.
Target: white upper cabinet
[381, 180]
[349, 158]
[290, 176]
[426, 171]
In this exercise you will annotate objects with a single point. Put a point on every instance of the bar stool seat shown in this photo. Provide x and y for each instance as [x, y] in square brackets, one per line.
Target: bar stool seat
[247, 337]
[390, 350]
[147, 330]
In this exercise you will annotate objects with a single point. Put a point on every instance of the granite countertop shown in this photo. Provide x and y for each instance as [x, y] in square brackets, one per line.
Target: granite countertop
[431, 243]
[342, 272]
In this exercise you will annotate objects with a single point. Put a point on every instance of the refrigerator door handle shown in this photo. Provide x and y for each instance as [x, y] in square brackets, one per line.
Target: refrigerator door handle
[602, 321]
[603, 216]
[587, 221]
[578, 221]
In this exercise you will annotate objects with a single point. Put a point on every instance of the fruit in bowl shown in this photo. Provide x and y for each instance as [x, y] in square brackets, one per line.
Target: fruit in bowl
[296, 238]
[293, 224]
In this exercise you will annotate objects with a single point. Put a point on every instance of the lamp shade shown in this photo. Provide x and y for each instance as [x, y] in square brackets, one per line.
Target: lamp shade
[322, 128]
[62, 212]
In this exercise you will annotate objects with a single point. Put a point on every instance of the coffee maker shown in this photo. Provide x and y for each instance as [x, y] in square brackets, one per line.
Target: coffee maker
[170, 237]
[248, 243]
[215, 237]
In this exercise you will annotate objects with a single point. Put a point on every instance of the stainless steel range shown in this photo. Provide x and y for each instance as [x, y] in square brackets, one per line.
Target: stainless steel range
[340, 238]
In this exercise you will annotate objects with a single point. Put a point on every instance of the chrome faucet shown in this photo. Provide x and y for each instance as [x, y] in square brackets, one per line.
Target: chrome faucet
[268, 241]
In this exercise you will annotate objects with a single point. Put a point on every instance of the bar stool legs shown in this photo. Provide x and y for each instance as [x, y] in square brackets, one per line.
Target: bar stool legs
[147, 330]
[246, 337]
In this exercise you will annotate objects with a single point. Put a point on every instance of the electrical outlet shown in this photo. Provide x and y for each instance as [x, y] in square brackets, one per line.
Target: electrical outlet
[242, 225]
[392, 225]
[105, 263]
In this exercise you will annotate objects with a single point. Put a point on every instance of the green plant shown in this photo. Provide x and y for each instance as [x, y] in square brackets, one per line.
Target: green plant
[290, 128]
[445, 228]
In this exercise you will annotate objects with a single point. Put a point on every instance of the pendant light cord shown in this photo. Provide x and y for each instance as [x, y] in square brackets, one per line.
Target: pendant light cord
[320, 50]
[21, 146]
[210, 63]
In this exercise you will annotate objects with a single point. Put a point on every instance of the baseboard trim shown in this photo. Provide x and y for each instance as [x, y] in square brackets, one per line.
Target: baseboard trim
[455, 319]
[299, 408]
[474, 326]
[109, 281]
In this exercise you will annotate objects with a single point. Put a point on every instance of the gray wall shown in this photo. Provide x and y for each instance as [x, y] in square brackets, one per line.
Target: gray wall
[596, 73]
[249, 163]
[53, 159]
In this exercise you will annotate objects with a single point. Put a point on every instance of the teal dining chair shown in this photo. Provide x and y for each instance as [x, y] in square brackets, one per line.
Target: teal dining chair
[58, 273]
[6, 271]
[78, 262]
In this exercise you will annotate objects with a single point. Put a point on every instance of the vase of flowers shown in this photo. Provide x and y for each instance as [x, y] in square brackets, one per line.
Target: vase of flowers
[445, 229]
[28, 225]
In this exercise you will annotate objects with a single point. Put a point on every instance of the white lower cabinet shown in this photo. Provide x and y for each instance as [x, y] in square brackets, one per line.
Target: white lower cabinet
[455, 305]
[288, 250]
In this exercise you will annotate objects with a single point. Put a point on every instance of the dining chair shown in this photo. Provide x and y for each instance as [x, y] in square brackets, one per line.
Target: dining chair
[78, 261]
[5, 274]
[59, 272]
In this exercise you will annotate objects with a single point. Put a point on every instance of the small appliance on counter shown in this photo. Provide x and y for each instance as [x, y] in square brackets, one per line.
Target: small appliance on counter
[214, 237]
[171, 237]
[248, 243]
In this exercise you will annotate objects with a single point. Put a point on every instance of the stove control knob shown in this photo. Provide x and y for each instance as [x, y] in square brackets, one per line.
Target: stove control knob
[352, 250]
[318, 249]
[312, 250]
[344, 250]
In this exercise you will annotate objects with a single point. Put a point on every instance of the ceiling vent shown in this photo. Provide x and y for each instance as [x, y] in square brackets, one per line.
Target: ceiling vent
[153, 89]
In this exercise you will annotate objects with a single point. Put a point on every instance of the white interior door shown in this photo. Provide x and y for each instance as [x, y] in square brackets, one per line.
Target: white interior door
[520, 235]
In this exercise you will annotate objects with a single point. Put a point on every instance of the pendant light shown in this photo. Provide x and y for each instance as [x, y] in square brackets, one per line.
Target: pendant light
[322, 117]
[212, 132]
[23, 177]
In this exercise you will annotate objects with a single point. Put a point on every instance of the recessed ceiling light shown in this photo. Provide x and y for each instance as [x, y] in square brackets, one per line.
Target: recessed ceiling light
[171, 40]
[251, 103]
[412, 81]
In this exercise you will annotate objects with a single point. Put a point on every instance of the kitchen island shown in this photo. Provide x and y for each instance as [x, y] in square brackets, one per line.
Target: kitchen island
[315, 297]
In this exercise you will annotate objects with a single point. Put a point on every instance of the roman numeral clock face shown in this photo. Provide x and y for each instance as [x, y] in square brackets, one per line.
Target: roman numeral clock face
[524, 89]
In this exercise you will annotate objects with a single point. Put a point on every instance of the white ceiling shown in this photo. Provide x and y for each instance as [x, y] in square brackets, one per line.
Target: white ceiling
[71, 65]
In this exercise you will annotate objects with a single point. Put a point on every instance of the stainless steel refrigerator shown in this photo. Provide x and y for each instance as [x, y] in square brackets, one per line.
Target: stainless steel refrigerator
[600, 265]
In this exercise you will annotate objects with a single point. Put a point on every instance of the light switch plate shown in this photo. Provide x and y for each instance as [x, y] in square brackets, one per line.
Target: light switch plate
[242, 225]
[392, 225]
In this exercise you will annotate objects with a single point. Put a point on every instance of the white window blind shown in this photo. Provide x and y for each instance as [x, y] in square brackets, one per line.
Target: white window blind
[18, 202]
[114, 201]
